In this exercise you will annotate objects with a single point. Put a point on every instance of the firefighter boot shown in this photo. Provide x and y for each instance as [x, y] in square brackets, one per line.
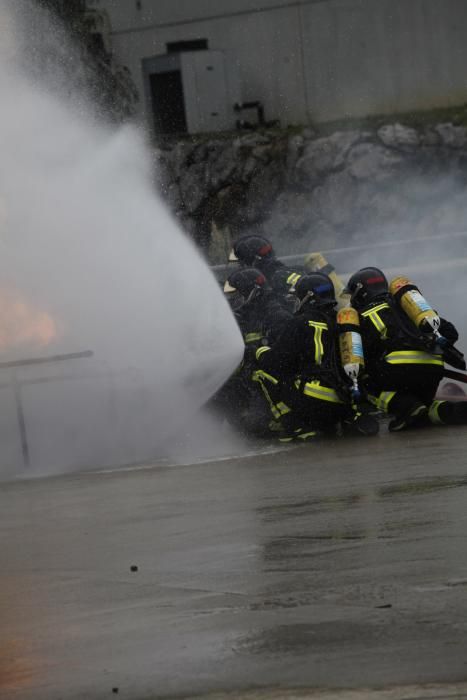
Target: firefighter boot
[360, 422]
[448, 413]
[411, 413]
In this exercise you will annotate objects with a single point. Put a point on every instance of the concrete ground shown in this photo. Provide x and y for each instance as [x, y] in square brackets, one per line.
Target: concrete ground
[327, 571]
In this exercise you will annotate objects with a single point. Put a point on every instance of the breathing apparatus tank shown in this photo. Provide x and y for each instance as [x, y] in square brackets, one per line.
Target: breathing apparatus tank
[425, 319]
[350, 346]
[415, 305]
[316, 262]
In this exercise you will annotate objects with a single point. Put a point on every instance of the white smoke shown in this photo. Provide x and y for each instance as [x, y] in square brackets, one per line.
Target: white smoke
[90, 260]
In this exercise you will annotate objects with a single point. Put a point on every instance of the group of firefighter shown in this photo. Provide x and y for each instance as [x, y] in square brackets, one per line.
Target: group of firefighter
[324, 360]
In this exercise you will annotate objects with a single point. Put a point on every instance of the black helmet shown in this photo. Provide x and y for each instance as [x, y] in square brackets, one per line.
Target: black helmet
[243, 286]
[315, 289]
[366, 285]
[283, 281]
[249, 250]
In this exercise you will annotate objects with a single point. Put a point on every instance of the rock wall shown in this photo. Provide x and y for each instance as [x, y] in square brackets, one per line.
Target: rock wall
[305, 190]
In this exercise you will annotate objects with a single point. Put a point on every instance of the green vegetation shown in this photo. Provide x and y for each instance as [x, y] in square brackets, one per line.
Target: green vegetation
[418, 119]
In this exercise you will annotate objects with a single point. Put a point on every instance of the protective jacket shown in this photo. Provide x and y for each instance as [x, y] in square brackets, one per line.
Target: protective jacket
[263, 320]
[389, 336]
[306, 354]
[241, 399]
[270, 266]
[403, 368]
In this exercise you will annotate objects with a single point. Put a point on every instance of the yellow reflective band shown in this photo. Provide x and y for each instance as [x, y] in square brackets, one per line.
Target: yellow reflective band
[375, 309]
[272, 408]
[324, 393]
[433, 412]
[279, 409]
[377, 321]
[293, 278]
[319, 349]
[261, 350]
[260, 374]
[413, 357]
[251, 337]
[305, 436]
[382, 401]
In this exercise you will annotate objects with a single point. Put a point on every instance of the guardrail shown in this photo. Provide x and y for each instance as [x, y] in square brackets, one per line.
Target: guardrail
[443, 248]
[17, 383]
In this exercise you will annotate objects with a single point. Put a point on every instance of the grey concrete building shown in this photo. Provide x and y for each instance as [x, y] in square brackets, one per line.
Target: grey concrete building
[301, 60]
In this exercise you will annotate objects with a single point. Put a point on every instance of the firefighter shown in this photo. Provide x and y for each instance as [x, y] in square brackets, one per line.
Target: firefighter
[306, 359]
[256, 251]
[261, 315]
[259, 311]
[404, 342]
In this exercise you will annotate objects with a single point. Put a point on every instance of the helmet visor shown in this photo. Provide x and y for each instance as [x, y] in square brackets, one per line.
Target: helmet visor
[228, 289]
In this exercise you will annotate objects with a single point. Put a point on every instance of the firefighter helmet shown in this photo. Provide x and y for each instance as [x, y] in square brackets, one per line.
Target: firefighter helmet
[315, 289]
[242, 286]
[367, 285]
[249, 250]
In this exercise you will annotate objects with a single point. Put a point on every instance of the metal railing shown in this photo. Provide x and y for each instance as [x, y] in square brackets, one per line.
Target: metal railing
[394, 253]
[16, 384]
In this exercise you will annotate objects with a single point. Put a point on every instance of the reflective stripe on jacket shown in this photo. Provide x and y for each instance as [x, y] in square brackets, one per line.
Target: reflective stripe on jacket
[413, 357]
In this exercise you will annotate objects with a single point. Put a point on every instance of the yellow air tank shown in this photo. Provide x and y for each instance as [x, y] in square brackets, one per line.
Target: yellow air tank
[316, 262]
[414, 304]
[350, 344]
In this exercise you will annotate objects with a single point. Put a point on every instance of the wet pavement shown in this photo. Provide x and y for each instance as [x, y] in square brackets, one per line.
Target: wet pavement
[331, 566]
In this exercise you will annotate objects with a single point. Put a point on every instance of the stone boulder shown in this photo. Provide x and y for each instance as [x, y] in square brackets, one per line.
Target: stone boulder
[368, 161]
[398, 136]
[322, 156]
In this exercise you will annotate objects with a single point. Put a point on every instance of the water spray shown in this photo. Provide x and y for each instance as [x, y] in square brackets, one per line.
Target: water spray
[90, 258]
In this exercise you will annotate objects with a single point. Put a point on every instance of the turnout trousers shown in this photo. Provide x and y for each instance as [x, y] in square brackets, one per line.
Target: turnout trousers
[397, 388]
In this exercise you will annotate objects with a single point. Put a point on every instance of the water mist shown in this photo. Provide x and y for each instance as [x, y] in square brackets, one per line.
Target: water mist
[91, 262]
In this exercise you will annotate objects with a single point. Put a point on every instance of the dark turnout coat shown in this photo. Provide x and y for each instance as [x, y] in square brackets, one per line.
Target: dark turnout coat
[306, 353]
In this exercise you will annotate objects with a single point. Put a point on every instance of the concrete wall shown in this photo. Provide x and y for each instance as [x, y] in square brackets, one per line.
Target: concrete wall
[314, 59]
[379, 56]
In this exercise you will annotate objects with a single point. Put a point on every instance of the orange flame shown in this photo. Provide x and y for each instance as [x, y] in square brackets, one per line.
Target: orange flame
[17, 670]
[23, 324]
